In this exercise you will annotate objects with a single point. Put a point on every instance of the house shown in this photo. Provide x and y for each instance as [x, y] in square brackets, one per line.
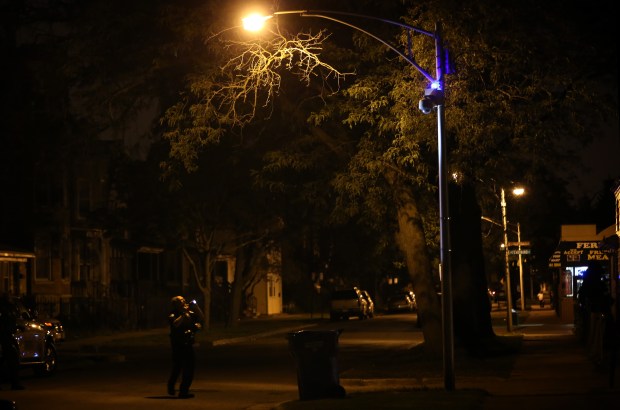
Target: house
[16, 267]
[86, 268]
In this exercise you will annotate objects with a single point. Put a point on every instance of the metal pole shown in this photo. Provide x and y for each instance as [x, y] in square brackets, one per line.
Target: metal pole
[531, 286]
[508, 288]
[521, 268]
[446, 277]
[444, 229]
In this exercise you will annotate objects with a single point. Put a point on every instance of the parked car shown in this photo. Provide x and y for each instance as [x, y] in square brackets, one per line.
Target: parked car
[55, 327]
[347, 303]
[497, 293]
[37, 348]
[400, 302]
[414, 301]
[370, 304]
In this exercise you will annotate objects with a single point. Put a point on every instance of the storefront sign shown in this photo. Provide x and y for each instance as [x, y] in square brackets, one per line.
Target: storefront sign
[579, 252]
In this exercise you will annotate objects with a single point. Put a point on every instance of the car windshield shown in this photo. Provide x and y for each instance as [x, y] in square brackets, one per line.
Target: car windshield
[344, 294]
[398, 297]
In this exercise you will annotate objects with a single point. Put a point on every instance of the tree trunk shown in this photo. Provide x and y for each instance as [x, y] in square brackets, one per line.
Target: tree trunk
[411, 241]
[237, 290]
[246, 269]
[206, 291]
[198, 269]
[472, 307]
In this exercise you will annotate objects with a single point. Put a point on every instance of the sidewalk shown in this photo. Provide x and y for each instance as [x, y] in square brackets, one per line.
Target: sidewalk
[550, 371]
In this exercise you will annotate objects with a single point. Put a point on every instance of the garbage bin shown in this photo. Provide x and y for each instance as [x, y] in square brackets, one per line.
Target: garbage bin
[515, 318]
[317, 368]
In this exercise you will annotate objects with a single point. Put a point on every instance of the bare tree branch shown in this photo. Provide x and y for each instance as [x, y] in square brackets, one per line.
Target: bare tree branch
[231, 95]
[252, 78]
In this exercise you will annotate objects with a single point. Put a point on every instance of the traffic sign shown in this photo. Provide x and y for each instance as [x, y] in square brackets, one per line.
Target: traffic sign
[522, 243]
[519, 251]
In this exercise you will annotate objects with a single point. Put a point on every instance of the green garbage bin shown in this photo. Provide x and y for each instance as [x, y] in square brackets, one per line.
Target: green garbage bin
[315, 354]
[515, 318]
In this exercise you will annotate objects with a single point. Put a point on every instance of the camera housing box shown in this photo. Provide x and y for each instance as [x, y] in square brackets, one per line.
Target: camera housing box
[432, 98]
[426, 105]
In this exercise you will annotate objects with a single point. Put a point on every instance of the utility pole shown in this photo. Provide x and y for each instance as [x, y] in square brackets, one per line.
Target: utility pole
[506, 255]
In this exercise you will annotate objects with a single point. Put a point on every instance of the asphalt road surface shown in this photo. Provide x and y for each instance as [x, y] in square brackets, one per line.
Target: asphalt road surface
[252, 374]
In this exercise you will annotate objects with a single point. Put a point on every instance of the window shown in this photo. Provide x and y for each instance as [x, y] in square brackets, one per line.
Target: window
[83, 197]
[148, 266]
[65, 260]
[5, 276]
[572, 278]
[48, 192]
[43, 252]
[120, 265]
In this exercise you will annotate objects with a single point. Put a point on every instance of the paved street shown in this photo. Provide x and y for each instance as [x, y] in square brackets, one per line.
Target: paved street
[551, 371]
[243, 373]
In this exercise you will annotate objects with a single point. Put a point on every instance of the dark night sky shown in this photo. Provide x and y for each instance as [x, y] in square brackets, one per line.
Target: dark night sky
[597, 21]
[601, 161]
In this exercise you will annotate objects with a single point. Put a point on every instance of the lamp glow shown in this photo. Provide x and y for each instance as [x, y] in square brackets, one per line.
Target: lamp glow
[255, 22]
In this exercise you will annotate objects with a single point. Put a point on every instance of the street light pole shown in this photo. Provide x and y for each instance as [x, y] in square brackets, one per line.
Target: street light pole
[444, 232]
[520, 269]
[506, 255]
[433, 98]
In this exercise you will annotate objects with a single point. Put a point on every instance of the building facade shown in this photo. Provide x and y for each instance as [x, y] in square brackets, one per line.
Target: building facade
[85, 270]
[580, 245]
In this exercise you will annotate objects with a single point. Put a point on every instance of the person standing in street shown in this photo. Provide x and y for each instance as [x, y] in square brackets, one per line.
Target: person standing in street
[541, 299]
[8, 343]
[185, 320]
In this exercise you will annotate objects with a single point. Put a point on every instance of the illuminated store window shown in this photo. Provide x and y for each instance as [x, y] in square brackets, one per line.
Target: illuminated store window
[572, 278]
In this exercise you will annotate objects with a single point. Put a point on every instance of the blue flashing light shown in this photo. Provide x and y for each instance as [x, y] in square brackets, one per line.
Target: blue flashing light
[436, 85]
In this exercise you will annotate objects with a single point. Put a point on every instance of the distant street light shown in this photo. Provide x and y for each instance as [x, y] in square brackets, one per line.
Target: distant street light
[433, 99]
[517, 192]
[519, 244]
[522, 290]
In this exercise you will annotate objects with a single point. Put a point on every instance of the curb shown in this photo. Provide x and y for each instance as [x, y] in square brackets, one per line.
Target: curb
[233, 340]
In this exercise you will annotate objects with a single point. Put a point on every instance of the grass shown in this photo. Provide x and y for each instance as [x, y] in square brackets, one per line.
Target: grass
[417, 364]
[426, 399]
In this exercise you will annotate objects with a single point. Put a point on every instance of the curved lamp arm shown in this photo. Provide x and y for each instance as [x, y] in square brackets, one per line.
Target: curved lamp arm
[256, 21]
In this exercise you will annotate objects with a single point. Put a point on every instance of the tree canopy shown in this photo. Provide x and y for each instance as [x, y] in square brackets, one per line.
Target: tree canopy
[274, 127]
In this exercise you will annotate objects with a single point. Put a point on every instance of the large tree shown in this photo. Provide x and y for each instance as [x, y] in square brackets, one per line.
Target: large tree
[522, 94]
[514, 96]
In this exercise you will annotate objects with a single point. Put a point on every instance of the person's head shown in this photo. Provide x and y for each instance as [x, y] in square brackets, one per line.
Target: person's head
[178, 303]
[594, 271]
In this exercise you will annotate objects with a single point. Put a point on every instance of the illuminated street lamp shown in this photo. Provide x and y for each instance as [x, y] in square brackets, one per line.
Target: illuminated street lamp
[517, 192]
[433, 99]
[519, 244]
